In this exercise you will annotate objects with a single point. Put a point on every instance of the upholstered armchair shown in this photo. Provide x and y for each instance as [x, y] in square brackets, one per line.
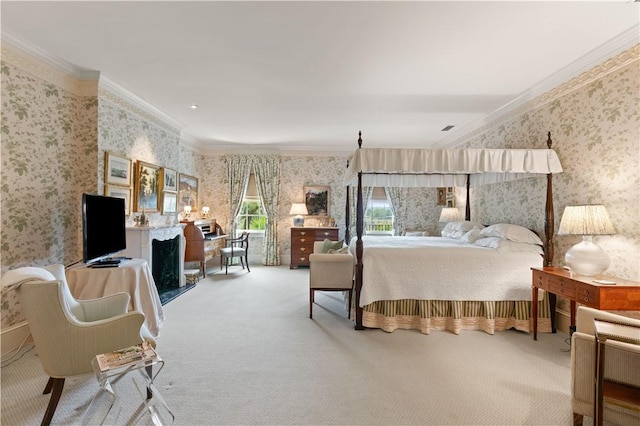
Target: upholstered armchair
[69, 333]
[330, 272]
[622, 365]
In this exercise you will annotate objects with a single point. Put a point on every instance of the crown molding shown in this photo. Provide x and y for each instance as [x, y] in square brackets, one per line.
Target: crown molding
[35, 61]
[608, 57]
[122, 97]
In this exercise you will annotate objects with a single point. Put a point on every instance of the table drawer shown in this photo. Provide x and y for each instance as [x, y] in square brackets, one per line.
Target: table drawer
[587, 295]
[540, 280]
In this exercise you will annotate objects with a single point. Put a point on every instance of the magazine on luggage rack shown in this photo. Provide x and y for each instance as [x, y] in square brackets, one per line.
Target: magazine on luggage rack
[130, 355]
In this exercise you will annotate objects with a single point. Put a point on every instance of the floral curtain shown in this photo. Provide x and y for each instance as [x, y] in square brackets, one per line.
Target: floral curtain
[238, 170]
[267, 172]
[398, 198]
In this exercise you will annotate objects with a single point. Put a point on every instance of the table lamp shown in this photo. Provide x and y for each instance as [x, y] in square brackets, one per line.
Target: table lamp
[204, 212]
[186, 213]
[449, 214]
[298, 209]
[586, 257]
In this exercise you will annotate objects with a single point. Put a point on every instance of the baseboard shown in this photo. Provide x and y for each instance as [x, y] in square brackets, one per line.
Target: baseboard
[12, 337]
[563, 321]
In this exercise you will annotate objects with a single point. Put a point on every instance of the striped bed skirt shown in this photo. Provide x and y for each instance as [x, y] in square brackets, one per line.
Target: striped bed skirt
[455, 315]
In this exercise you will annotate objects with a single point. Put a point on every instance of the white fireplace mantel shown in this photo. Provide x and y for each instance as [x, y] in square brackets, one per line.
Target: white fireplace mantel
[139, 243]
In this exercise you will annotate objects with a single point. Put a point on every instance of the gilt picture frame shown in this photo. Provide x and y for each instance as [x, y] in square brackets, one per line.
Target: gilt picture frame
[117, 169]
[187, 192]
[146, 189]
[169, 203]
[317, 199]
[120, 192]
[168, 180]
[441, 196]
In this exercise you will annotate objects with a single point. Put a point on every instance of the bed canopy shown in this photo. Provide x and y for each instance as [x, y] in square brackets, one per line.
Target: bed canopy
[391, 167]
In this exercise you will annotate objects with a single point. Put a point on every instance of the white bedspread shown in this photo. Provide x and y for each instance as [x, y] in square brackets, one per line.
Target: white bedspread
[437, 268]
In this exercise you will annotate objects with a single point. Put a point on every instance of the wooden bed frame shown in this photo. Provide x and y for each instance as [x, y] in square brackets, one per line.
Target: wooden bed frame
[548, 229]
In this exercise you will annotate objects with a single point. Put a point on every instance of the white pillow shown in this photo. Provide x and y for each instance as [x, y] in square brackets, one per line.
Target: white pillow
[516, 233]
[414, 234]
[471, 236]
[465, 225]
[448, 229]
[506, 245]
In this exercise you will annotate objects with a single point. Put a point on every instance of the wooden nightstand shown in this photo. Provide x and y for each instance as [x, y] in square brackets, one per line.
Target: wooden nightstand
[622, 295]
[302, 240]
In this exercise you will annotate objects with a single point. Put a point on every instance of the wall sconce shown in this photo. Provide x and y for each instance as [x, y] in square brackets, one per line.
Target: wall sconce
[586, 257]
[186, 213]
[298, 209]
[449, 214]
[205, 212]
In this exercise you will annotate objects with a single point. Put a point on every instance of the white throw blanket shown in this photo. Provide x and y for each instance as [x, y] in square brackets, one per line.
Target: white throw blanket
[435, 268]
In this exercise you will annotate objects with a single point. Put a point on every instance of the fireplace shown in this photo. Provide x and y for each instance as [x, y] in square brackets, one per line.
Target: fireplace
[166, 263]
[140, 245]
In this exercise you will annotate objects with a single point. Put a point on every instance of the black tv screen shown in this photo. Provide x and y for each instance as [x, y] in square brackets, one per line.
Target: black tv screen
[103, 227]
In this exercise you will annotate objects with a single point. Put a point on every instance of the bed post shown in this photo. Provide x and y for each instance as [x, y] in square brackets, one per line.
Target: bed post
[359, 244]
[467, 209]
[548, 215]
[347, 216]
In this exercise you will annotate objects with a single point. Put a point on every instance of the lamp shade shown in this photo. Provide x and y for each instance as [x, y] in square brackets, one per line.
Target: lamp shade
[586, 257]
[449, 214]
[590, 219]
[298, 208]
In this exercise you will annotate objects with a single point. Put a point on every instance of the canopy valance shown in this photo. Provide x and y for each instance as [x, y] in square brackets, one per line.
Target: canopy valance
[396, 167]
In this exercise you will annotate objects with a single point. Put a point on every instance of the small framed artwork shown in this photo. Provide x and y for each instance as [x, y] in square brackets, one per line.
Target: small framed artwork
[318, 200]
[120, 192]
[169, 202]
[169, 179]
[146, 189]
[117, 169]
[441, 196]
[187, 192]
[451, 202]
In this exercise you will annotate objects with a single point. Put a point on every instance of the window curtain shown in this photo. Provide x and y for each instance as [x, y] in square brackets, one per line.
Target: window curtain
[267, 173]
[238, 170]
[399, 200]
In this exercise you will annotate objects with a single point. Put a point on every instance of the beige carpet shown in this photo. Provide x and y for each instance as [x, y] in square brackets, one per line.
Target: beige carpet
[241, 350]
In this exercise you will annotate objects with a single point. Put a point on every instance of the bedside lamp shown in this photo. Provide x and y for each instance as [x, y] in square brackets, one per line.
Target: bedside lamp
[586, 257]
[298, 209]
[449, 214]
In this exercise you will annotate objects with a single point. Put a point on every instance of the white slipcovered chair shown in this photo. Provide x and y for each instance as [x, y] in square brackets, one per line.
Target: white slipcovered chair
[622, 365]
[330, 272]
[69, 333]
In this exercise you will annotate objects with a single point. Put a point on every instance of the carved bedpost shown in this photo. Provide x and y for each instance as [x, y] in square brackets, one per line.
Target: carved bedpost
[549, 215]
[359, 252]
[347, 215]
[467, 209]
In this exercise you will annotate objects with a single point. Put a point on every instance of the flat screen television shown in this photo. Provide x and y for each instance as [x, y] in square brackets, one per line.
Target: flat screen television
[103, 227]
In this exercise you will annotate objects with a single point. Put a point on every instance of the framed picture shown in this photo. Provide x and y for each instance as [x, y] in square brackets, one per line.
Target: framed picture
[169, 180]
[441, 196]
[120, 192]
[146, 189]
[169, 202]
[117, 169]
[451, 202]
[187, 192]
[318, 200]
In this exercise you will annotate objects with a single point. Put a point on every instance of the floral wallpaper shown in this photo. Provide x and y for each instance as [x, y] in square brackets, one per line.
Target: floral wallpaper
[55, 135]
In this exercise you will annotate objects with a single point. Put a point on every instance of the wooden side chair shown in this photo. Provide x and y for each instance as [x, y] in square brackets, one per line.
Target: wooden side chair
[236, 247]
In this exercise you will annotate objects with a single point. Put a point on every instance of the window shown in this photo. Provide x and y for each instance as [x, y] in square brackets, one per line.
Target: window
[378, 216]
[252, 216]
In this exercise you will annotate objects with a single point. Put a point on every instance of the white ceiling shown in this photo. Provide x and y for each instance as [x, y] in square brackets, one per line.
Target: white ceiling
[310, 75]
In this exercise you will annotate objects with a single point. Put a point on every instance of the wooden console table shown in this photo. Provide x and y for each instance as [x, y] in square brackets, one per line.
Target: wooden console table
[621, 295]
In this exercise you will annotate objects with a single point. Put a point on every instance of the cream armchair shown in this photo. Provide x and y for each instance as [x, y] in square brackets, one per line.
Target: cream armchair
[330, 272]
[622, 364]
[69, 333]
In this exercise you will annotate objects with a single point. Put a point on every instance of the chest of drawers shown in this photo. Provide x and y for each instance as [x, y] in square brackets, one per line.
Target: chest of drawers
[302, 240]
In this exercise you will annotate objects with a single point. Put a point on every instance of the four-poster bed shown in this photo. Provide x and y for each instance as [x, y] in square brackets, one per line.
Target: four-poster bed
[444, 305]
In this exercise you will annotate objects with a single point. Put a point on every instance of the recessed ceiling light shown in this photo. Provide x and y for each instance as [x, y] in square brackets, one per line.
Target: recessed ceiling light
[447, 128]
[193, 106]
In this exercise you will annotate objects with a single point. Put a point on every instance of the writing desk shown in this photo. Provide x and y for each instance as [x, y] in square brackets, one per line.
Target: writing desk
[132, 276]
